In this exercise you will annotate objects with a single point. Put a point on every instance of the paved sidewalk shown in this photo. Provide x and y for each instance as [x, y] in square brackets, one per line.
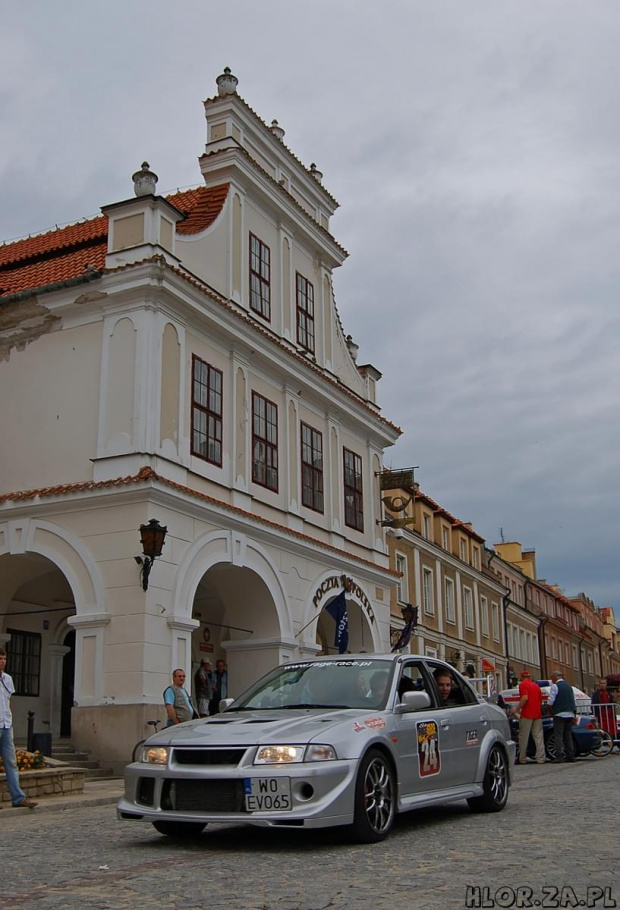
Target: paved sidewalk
[96, 793]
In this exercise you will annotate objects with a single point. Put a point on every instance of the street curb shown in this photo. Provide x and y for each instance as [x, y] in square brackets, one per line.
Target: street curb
[60, 806]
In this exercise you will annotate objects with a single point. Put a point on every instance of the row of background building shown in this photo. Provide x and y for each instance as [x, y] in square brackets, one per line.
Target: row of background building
[485, 607]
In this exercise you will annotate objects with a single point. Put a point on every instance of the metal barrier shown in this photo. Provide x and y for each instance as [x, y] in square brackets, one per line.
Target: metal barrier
[608, 717]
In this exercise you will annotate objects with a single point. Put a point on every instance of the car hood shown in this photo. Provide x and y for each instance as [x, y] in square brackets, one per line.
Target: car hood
[297, 725]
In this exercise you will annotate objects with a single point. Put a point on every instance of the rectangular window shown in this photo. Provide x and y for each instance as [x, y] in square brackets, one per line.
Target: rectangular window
[469, 608]
[445, 538]
[426, 527]
[403, 586]
[24, 661]
[311, 468]
[264, 442]
[575, 656]
[206, 411]
[353, 494]
[476, 557]
[430, 652]
[450, 613]
[464, 550]
[260, 278]
[495, 621]
[305, 313]
[427, 591]
[484, 614]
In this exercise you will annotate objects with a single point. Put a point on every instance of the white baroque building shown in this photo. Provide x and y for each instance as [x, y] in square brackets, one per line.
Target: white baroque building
[181, 359]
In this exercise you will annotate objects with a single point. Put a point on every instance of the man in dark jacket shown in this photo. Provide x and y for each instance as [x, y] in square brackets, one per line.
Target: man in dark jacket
[561, 702]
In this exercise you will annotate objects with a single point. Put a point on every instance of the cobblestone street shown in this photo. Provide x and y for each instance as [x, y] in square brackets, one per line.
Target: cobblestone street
[557, 832]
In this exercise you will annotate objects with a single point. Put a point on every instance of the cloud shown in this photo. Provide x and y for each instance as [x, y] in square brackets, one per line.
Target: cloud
[474, 149]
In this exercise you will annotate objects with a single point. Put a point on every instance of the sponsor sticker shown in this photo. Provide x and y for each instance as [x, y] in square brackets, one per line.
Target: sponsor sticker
[429, 754]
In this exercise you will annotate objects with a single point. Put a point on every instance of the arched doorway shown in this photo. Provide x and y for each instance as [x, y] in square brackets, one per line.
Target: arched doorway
[36, 599]
[238, 624]
[360, 633]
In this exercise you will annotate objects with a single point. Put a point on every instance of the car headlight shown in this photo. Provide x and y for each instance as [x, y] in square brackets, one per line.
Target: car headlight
[156, 755]
[279, 755]
[319, 752]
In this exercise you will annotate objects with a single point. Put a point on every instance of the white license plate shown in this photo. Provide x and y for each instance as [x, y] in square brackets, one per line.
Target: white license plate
[267, 794]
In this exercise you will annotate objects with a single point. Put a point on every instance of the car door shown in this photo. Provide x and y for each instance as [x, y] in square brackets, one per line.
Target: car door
[423, 740]
[467, 722]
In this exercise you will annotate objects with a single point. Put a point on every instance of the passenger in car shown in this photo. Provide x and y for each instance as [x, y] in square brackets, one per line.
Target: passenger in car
[448, 693]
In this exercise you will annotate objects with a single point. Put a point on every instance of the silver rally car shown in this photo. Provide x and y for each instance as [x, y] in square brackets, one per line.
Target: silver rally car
[348, 740]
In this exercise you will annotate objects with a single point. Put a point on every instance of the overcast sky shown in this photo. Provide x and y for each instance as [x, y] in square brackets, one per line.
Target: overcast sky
[474, 146]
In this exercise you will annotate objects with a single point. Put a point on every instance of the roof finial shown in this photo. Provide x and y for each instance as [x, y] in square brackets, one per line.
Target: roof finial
[144, 181]
[316, 173]
[276, 129]
[227, 83]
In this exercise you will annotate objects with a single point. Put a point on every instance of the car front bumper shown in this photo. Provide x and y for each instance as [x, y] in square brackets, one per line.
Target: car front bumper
[322, 794]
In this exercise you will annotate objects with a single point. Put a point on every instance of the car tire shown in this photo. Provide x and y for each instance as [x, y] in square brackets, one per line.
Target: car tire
[495, 784]
[180, 830]
[375, 798]
[550, 747]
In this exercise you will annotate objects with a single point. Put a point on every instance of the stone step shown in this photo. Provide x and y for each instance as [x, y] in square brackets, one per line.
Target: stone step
[70, 756]
[100, 774]
[64, 751]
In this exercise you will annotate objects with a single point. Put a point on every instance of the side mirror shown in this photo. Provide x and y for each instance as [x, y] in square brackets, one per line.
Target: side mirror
[224, 703]
[413, 701]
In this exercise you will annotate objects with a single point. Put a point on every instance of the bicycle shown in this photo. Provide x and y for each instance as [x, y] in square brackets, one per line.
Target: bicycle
[604, 744]
[135, 755]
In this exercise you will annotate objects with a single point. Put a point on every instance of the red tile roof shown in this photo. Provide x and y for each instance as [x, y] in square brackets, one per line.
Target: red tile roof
[201, 207]
[63, 254]
[146, 473]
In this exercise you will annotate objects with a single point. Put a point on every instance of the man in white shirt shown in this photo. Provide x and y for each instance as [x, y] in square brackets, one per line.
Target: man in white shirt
[561, 703]
[7, 746]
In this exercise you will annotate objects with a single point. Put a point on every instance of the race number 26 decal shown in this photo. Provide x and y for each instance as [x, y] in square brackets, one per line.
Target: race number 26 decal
[429, 756]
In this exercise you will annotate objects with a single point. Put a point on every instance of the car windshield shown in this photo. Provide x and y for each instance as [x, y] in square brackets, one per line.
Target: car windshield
[361, 684]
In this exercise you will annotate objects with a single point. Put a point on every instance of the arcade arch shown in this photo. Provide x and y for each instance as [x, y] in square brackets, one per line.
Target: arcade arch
[233, 592]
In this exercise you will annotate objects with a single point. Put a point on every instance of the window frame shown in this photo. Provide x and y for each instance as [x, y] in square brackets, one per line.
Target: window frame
[260, 295]
[353, 492]
[317, 486]
[402, 585]
[19, 661]
[212, 418]
[270, 460]
[450, 602]
[428, 598]
[495, 618]
[484, 615]
[468, 608]
[304, 298]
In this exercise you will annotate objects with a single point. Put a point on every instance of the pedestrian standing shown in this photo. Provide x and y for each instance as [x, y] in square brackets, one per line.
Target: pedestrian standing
[179, 707]
[7, 744]
[604, 708]
[203, 687]
[530, 718]
[220, 686]
[561, 701]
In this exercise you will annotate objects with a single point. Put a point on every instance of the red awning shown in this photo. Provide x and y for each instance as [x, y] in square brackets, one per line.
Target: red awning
[487, 666]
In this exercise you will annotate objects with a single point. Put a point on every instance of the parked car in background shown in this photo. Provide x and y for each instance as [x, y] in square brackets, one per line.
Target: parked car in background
[333, 741]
